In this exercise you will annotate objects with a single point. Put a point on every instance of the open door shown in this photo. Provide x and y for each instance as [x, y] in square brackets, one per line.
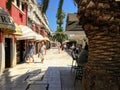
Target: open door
[7, 52]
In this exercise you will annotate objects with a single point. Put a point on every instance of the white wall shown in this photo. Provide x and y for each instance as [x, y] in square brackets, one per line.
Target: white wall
[2, 58]
[12, 52]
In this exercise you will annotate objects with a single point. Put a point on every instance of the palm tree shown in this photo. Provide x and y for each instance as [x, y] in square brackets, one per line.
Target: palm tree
[101, 22]
[60, 16]
[60, 37]
[8, 4]
[45, 4]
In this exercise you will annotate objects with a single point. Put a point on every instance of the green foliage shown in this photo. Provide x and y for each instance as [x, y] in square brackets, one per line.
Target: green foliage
[60, 4]
[60, 14]
[8, 4]
[59, 29]
[44, 5]
[60, 37]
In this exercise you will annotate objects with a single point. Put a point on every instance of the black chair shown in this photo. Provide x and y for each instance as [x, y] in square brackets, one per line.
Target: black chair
[74, 59]
[78, 73]
[81, 62]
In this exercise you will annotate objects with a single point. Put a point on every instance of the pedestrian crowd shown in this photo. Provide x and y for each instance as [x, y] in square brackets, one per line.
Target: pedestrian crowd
[76, 50]
[29, 51]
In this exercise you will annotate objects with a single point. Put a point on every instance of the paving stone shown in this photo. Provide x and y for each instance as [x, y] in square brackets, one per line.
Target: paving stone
[29, 76]
[33, 77]
[18, 88]
[35, 71]
[37, 87]
[53, 88]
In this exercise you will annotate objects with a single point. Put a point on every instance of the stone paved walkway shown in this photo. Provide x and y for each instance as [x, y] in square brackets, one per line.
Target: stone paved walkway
[53, 74]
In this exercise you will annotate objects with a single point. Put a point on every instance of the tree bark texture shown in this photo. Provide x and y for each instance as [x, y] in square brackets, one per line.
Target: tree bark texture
[101, 21]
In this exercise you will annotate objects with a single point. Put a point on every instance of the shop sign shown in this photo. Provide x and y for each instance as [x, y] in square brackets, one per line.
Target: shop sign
[6, 22]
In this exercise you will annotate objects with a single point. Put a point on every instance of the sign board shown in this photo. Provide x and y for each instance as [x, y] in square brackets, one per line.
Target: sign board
[6, 22]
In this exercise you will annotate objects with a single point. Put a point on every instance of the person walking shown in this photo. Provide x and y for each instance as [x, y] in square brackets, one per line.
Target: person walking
[30, 51]
[42, 51]
[59, 47]
[23, 55]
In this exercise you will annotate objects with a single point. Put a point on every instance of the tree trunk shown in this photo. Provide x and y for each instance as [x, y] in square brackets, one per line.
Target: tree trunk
[101, 22]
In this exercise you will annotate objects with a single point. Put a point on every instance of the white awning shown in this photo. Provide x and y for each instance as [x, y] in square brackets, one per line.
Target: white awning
[28, 33]
[39, 37]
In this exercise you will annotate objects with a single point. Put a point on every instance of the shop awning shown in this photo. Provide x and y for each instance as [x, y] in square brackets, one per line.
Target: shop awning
[28, 33]
[39, 37]
[6, 22]
[18, 30]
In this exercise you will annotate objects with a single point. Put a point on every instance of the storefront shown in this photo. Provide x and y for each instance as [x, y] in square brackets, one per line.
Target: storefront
[27, 35]
[19, 44]
[7, 50]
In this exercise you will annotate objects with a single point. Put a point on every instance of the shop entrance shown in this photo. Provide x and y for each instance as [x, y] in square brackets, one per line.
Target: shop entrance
[7, 52]
[20, 48]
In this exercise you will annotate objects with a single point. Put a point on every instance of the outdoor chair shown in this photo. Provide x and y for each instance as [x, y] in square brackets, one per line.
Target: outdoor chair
[81, 62]
[78, 73]
[74, 63]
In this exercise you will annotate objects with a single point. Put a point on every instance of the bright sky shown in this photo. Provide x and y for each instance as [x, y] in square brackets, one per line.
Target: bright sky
[68, 7]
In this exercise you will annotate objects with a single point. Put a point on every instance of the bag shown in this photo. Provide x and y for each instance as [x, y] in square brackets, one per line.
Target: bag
[40, 46]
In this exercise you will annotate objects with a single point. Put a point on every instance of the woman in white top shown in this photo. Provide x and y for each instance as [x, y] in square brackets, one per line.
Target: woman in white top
[59, 47]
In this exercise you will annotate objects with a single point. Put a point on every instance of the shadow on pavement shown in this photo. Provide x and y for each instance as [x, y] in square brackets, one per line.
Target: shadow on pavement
[24, 81]
[54, 78]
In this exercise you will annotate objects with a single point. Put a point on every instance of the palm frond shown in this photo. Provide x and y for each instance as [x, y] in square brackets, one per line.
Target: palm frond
[45, 4]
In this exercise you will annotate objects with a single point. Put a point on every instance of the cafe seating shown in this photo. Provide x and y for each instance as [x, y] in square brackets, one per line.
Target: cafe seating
[81, 62]
[74, 63]
[78, 73]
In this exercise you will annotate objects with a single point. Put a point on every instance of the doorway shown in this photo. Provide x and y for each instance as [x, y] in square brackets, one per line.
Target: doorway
[20, 48]
[7, 52]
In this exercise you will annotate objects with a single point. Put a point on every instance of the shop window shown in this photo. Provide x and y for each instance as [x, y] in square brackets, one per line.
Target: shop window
[23, 6]
[21, 17]
[30, 22]
[18, 3]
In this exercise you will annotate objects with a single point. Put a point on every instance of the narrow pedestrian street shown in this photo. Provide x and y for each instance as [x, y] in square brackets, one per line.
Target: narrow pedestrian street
[53, 74]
